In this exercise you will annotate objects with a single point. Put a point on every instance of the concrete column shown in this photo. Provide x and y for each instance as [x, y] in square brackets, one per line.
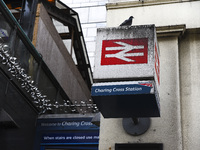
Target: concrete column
[190, 88]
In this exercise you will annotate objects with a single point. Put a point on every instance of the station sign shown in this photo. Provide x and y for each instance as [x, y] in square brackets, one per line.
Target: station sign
[122, 88]
[127, 72]
[127, 99]
[126, 53]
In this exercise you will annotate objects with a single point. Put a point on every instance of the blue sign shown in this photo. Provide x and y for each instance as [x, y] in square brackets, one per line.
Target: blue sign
[126, 99]
[126, 89]
[71, 137]
[66, 124]
[66, 132]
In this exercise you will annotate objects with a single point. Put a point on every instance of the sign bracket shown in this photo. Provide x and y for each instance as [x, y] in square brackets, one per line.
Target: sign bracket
[136, 126]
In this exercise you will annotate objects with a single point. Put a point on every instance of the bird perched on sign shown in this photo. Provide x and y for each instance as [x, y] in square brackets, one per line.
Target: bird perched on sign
[127, 22]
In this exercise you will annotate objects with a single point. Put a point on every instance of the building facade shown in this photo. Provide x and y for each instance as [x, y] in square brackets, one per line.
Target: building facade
[92, 15]
[178, 26]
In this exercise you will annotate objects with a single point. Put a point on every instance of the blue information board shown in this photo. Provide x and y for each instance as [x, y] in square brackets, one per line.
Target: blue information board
[59, 132]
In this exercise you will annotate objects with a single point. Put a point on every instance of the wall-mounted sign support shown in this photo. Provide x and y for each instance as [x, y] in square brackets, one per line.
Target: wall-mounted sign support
[136, 126]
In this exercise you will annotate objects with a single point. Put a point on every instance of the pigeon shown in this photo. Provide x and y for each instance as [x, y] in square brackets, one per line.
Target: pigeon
[127, 22]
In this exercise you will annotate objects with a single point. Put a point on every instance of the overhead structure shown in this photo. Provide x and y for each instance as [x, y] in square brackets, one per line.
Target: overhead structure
[24, 65]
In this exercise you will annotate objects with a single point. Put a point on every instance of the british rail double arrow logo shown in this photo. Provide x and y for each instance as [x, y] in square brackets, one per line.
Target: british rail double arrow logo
[124, 51]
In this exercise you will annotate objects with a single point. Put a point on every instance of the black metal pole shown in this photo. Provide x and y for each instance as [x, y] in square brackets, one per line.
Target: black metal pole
[135, 120]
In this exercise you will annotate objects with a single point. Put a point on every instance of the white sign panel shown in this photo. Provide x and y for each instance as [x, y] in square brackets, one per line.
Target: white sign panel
[126, 53]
